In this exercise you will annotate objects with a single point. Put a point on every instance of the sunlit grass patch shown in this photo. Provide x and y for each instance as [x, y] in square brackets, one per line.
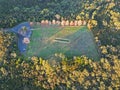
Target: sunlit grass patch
[73, 41]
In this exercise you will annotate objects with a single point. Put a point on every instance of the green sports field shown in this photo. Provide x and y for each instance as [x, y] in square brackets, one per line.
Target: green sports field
[69, 40]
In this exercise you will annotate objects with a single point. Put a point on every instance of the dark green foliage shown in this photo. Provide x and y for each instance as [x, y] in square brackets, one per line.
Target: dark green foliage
[13, 12]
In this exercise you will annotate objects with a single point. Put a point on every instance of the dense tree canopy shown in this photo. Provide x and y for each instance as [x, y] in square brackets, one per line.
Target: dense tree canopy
[100, 13]
[103, 18]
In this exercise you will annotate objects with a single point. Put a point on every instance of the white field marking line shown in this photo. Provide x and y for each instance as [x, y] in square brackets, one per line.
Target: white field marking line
[62, 40]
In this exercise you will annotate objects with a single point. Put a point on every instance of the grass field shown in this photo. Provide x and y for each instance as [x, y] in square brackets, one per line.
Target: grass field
[69, 40]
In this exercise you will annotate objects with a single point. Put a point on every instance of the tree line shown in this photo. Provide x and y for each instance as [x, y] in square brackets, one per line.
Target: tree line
[98, 13]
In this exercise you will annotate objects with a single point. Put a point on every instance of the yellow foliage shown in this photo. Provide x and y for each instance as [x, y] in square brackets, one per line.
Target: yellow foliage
[115, 17]
[81, 71]
[111, 5]
[4, 43]
[91, 23]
